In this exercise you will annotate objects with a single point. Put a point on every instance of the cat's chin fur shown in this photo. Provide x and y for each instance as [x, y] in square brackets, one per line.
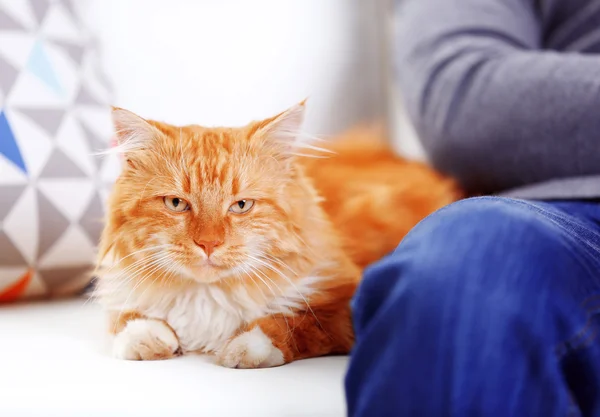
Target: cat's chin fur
[287, 268]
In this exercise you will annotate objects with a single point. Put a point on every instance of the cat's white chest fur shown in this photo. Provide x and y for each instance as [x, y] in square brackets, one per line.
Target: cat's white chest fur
[204, 317]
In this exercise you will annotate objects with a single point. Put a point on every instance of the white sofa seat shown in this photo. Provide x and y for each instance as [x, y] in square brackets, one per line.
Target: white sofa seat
[54, 362]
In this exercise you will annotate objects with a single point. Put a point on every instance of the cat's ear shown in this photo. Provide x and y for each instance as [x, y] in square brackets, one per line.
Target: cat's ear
[133, 133]
[286, 125]
[282, 132]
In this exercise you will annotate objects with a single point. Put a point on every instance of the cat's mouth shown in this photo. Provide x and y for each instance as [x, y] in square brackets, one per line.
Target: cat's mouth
[209, 263]
[208, 271]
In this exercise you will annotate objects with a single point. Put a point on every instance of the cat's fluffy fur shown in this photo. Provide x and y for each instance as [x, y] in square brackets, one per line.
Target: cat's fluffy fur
[278, 284]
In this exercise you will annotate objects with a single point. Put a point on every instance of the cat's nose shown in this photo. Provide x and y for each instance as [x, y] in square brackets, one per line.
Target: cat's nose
[208, 246]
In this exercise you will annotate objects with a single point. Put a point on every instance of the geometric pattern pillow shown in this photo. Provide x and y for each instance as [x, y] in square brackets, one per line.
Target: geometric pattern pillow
[54, 116]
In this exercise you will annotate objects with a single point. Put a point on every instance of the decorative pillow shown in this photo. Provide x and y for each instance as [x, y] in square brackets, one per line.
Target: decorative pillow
[54, 116]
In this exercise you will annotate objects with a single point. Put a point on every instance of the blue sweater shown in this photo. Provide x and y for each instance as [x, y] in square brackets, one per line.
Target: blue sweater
[505, 94]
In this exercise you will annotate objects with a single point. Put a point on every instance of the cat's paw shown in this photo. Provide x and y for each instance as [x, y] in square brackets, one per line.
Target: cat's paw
[145, 339]
[252, 349]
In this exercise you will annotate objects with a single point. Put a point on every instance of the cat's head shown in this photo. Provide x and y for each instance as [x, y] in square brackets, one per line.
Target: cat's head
[207, 203]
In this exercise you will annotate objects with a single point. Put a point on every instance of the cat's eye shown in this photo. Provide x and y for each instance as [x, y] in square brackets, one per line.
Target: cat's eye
[176, 204]
[242, 206]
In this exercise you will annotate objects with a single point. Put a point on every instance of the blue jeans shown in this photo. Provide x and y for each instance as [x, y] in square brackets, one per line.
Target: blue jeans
[489, 307]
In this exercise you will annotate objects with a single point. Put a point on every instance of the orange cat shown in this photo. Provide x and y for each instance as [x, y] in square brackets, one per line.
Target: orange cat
[231, 241]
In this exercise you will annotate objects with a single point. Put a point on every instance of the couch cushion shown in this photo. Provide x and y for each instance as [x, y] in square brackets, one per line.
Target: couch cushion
[56, 364]
[54, 116]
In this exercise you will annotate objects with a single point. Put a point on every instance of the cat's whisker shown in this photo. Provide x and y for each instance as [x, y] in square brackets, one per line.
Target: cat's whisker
[301, 239]
[91, 297]
[101, 266]
[289, 281]
[148, 269]
[314, 148]
[261, 276]
[151, 248]
[133, 266]
[275, 299]
[121, 273]
[166, 266]
[285, 310]
[169, 271]
[264, 277]
[133, 270]
[172, 273]
[258, 271]
[306, 155]
[301, 137]
[157, 266]
[140, 282]
[136, 267]
[246, 273]
[129, 143]
[279, 262]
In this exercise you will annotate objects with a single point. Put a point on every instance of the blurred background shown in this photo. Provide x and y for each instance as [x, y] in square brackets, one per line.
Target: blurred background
[228, 62]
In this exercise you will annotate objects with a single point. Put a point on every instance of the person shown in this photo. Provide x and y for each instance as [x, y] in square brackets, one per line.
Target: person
[491, 306]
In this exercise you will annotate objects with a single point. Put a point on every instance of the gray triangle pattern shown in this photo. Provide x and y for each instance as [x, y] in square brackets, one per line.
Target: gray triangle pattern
[9, 194]
[52, 224]
[40, 8]
[102, 76]
[69, 276]
[9, 254]
[85, 97]
[59, 278]
[8, 75]
[47, 119]
[92, 219]
[76, 52]
[95, 143]
[8, 23]
[70, 6]
[60, 166]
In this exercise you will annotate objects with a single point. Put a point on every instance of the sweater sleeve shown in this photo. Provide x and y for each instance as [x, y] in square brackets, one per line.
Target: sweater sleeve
[491, 105]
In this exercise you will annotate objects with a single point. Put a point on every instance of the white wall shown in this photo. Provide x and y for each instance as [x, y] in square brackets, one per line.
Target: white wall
[224, 62]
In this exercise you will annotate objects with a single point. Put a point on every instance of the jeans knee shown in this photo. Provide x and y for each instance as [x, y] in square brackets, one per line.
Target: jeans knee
[476, 239]
[492, 246]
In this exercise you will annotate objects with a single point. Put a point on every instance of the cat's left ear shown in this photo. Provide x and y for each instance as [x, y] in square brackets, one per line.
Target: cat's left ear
[133, 133]
[282, 132]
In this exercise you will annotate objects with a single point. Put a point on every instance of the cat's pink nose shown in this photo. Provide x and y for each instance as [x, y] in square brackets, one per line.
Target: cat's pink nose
[207, 246]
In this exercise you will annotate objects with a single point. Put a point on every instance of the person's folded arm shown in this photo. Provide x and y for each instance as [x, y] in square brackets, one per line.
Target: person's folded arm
[490, 105]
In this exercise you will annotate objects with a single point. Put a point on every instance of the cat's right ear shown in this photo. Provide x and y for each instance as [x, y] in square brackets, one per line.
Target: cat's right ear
[133, 133]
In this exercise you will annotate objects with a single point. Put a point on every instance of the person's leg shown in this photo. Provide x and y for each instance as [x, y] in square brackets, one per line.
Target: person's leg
[487, 308]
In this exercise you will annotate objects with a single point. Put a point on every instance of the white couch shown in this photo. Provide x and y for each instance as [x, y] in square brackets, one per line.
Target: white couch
[54, 362]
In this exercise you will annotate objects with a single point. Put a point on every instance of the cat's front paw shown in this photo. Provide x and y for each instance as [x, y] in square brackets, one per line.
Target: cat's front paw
[145, 339]
[252, 349]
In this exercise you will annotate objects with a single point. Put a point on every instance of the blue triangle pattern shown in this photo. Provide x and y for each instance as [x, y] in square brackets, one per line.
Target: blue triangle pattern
[39, 64]
[8, 144]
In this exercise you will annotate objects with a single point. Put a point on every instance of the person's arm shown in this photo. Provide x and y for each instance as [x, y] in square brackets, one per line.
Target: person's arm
[492, 107]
